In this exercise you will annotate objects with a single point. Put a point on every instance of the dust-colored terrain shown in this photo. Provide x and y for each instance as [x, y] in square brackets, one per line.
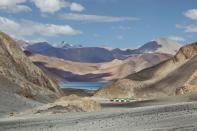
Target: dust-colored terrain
[30, 101]
[24, 86]
[64, 70]
[78, 92]
[175, 113]
[174, 76]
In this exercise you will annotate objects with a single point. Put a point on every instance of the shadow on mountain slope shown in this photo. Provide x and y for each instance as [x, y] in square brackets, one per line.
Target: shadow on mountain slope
[69, 76]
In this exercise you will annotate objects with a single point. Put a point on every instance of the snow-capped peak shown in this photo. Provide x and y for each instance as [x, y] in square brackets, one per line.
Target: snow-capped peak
[161, 45]
[66, 45]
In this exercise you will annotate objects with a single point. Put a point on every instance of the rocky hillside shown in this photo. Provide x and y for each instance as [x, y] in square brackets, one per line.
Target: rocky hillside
[174, 76]
[28, 80]
[64, 70]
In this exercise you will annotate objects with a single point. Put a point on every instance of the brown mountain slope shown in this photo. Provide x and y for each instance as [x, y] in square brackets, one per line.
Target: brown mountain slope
[18, 70]
[174, 76]
[62, 70]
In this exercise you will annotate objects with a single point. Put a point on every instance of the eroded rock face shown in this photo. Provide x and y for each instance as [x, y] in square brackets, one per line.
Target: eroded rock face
[18, 69]
[174, 76]
[189, 86]
[69, 104]
[186, 52]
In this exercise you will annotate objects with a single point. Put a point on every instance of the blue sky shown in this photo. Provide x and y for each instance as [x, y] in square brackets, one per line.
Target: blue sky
[111, 23]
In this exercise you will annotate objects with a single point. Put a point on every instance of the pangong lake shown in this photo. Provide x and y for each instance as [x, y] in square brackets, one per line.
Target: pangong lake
[82, 85]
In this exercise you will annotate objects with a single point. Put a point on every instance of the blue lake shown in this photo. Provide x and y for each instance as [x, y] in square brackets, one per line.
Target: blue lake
[82, 85]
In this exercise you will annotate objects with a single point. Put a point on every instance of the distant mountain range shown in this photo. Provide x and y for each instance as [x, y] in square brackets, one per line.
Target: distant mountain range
[79, 53]
[85, 54]
[67, 62]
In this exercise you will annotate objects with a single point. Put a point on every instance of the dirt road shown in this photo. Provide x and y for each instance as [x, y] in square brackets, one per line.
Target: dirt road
[114, 117]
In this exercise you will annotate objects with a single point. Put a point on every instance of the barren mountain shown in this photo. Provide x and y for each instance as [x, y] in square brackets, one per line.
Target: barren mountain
[174, 76]
[79, 53]
[160, 45]
[21, 82]
[64, 70]
[85, 54]
[22, 44]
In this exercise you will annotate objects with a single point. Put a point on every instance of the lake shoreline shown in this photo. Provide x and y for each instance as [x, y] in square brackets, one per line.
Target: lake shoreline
[82, 85]
[78, 92]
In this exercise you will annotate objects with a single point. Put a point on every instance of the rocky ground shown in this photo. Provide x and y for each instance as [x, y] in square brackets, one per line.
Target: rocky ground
[175, 113]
